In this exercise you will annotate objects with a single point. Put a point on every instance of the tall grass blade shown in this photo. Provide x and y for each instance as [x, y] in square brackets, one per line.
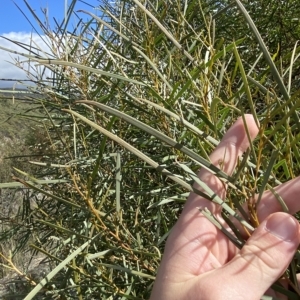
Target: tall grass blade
[48, 278]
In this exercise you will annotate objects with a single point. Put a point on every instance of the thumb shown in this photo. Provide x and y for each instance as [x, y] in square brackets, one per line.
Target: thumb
[263, 259]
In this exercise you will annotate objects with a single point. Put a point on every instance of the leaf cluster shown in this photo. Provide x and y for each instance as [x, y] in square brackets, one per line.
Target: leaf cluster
[140, 94]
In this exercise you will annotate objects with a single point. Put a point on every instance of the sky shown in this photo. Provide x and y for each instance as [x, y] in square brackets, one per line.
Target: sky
[13, 25]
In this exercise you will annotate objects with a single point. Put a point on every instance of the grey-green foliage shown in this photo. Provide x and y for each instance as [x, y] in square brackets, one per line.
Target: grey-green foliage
[170, 66]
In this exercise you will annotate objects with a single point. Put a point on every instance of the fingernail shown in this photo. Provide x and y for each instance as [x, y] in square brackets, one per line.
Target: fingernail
[282, 225]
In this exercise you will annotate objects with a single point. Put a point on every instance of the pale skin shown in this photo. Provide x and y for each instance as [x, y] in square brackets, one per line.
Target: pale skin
[200, 262]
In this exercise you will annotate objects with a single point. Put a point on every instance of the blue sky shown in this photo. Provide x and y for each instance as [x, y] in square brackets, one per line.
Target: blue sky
[12, 20]
[13, 25]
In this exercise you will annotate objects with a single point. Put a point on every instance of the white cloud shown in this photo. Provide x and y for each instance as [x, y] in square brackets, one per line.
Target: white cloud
[8, 70]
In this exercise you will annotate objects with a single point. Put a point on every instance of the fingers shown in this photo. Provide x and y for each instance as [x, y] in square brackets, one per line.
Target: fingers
[225, 157]
[261, 261]
[194, 237]
[289, 192]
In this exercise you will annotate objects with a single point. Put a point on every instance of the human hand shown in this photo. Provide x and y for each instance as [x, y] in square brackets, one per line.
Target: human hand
[200, 262]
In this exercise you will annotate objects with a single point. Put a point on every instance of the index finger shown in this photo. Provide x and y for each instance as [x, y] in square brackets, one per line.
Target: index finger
[234, 143]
